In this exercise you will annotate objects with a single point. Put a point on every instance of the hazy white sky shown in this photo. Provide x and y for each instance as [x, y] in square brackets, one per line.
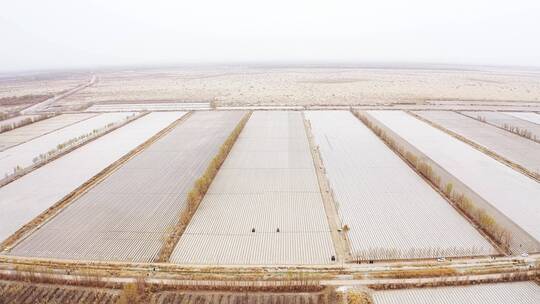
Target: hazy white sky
[75, 33]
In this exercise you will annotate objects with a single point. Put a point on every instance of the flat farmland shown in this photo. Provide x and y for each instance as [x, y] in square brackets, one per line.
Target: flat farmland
[508, 191]
[505, 121]
[532, 117]
[154, 106]
[500, 293]
[391, 211]
[239, 298]
[135, 209]
[20, 293]
[22, 155]
[265, 205]
[28, 196]
[515, 148]
[29, 132]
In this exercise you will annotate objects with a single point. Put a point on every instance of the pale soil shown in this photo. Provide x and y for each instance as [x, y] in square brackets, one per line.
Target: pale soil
[40, 84]
[317, 86]
[20, 92]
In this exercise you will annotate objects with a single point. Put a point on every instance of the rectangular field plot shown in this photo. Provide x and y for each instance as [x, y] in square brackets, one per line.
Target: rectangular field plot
[500, 293]
[528, 116]
[154, 106]
[29, 132]
[131, 213]
[506, 121]
[28, 196]
[268, 183]
[22, 155]
[512, 147]
[510, 192]
[392, 212]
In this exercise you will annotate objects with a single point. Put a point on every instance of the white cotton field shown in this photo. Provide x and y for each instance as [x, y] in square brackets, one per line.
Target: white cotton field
[24, 154]
[500, 293]
[28, 196]
[514, 148]
[391, 211]
[512, 193]
[268, 182]
[128, 215]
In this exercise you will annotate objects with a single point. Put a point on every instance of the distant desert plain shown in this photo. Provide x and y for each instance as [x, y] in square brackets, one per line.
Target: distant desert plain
[276, 86]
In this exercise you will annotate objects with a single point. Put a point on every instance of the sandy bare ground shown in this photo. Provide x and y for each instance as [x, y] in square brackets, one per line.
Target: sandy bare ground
[315, 86]
[245, 86]
[20, 92]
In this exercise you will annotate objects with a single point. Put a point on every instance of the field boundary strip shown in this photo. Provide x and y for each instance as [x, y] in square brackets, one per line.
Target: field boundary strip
[38, 165]
[24, 122]
[340, 240]
[48, 132]
[472, 270]
[486, 121]
[199, 190]
[55, 209]
[480, 148]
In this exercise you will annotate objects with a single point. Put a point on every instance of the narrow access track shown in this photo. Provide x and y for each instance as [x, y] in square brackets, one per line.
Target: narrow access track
[496, 269]
[341, 243]
[45, 104]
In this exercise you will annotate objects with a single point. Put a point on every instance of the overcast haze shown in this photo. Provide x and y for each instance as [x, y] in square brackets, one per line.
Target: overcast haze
[70, 34]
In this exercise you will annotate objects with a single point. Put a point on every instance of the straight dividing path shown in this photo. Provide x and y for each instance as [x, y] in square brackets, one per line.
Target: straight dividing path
[45, 104]
[470, 271]
[504, 121]
[341, 242]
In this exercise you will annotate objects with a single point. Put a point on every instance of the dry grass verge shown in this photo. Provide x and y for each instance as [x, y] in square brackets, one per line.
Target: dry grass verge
[24, 122]
[139, 290]
[354, 297]
[21, 292]
[508, 127]
[24, 99]
[417, 273]
[487, 223]
[503, 278]
[521, 132]
[199, 189]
